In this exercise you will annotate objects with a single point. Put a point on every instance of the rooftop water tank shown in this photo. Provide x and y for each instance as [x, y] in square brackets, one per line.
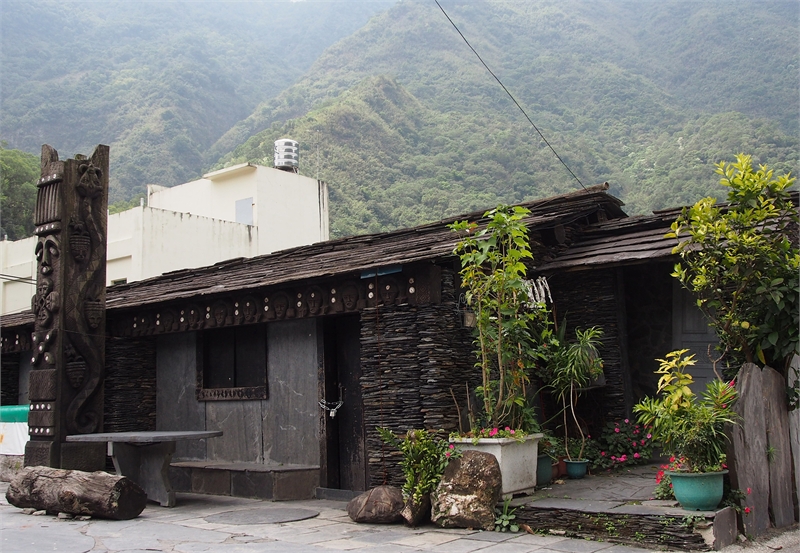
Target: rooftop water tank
[287, 154]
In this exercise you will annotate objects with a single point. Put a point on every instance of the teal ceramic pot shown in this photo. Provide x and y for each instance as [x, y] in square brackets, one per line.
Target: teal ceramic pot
[544, 470]
[577, 469]
[698, 491]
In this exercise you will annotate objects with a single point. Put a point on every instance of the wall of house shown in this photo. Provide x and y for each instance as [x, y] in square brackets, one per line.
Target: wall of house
[595, 298]
[10, 378]
[144, 242]
[281, 429]
[130, 385]
[18, 262]
[648, 304]
[281, 200]
[412, 358]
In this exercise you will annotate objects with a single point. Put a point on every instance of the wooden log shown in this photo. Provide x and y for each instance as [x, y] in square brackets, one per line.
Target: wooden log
[97, 494]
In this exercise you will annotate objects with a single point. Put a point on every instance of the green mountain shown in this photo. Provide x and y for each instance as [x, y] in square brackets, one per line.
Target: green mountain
[395, 111]
[407, 126]
[159, 82]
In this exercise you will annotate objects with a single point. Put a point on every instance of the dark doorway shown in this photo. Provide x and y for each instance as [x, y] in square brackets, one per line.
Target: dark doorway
[344, 454]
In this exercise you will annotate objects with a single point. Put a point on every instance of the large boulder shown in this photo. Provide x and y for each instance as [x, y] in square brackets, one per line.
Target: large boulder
[468, 493]
[381, 505]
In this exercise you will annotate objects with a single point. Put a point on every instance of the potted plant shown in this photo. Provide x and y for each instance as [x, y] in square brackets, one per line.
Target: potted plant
[692, 429]
[493, 276]
[574, 366]
[547, 462]
[425, 456]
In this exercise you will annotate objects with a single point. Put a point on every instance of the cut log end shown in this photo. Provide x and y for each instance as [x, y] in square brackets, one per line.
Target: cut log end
[97, 494]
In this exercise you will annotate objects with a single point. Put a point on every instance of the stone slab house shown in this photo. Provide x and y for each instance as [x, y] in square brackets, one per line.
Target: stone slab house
[297, 356]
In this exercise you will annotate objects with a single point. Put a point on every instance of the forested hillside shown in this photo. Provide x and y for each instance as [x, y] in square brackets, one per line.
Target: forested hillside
[399, 116]
[159, 82]
[407, 126]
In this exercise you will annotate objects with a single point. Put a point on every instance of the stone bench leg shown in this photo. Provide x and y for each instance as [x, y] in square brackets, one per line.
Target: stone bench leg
[148, 466]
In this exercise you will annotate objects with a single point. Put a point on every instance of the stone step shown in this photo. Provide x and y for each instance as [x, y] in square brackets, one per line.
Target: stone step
[644, 524]
[254, 480]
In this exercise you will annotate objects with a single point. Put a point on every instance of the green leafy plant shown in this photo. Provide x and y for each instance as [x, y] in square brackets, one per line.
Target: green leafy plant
[425, 456]
[504, 520]
[493, 275]
[741, 260]
[573, 367]
[552, 446]
[692, 429]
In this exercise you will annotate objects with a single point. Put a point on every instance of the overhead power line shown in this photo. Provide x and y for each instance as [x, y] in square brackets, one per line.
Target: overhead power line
[13, 278]
[496, 78]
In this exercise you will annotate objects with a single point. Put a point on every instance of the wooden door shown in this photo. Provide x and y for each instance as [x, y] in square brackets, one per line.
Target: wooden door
[345, 451]
[690, 330]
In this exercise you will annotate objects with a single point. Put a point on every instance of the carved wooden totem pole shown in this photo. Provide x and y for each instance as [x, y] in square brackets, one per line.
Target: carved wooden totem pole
[66, 380]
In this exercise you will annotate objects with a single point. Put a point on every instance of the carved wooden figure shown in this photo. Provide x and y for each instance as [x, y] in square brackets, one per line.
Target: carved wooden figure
[66, 382]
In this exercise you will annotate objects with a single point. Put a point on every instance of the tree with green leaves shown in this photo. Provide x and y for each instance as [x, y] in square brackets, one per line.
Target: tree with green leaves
[19, 171]
[741, 260]
[493, 275]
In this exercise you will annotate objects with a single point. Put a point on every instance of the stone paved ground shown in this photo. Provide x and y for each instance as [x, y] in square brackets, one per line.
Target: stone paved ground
[202, 523]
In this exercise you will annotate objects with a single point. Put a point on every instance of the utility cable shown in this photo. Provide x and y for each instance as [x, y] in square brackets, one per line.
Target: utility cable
[12, 278]
[509, 95]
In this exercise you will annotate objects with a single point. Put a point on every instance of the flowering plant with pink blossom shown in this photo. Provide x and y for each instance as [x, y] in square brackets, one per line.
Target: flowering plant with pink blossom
[493, 432]
[624, 443]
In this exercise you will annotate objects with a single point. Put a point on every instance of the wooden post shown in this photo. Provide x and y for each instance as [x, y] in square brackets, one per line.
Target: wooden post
[66, 380]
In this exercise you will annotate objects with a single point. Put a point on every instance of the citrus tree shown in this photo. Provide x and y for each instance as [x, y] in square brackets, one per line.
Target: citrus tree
[741, 260]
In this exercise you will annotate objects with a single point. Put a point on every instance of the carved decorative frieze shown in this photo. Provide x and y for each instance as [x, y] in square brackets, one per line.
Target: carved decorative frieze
[417, 286]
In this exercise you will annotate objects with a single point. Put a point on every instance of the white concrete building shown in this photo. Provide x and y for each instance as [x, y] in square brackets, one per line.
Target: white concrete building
[241, 211]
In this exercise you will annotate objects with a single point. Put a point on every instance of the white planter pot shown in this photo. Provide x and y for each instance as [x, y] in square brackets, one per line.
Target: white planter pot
[517, 460]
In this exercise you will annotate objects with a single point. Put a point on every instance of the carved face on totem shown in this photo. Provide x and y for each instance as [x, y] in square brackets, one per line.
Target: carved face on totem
[350, 297]
[389, 292]
[280, 304]
[219, 312]
[314, 300]
[250, 309]
[47, 252]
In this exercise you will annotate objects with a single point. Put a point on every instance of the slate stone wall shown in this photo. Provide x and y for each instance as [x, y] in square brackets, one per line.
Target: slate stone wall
[589, 298]
[9, 378]
[130, 385]
[411, 359]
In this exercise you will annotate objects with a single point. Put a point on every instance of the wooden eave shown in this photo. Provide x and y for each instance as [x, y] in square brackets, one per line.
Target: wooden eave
[430, 242]
[618, 242]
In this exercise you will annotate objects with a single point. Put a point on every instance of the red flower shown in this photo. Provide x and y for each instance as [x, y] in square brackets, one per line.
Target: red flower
[747, 510]
[749, 491]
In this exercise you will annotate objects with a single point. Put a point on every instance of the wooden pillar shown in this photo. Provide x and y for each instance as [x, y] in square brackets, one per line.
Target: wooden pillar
[66, 381]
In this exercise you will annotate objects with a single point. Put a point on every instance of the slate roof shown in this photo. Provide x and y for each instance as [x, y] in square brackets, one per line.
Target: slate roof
[342, 256]
[618, 242]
